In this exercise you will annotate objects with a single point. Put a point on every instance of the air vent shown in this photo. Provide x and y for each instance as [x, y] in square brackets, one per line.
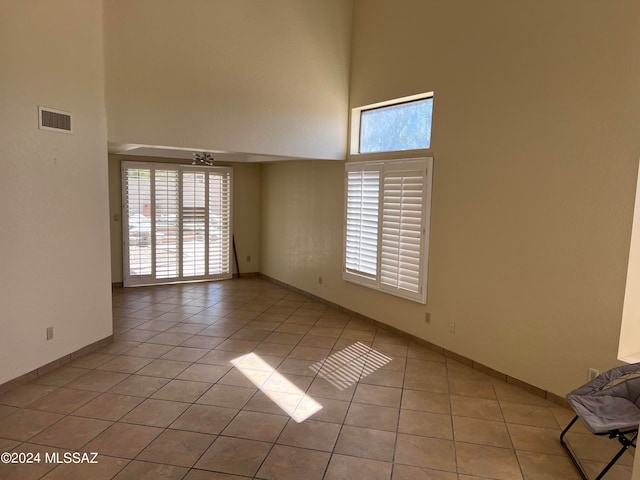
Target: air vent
[56, 120]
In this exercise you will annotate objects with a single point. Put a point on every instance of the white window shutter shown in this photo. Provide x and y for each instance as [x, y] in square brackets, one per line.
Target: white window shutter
[166, 223]
[402, 230]
[176, 223]
[220, 231]
[361, 242]
[388, 207]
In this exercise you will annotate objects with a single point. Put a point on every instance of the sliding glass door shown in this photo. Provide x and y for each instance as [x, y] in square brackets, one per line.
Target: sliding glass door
[176, 223]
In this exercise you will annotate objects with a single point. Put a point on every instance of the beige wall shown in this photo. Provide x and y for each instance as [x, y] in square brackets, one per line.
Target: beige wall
[535, 144]
[53, 186]
[246, 212]
[240, 76]
[302, 204]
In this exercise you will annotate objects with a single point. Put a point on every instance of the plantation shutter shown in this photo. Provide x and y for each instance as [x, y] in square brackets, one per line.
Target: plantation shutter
[176, 223]
[220, 235]
[361, 253]
[166, 224]
[402, 230]
[387, 225]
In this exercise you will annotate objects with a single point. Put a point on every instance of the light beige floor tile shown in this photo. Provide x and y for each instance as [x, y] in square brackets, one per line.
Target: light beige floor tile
[71, 432]
[91, 360]
[256, 426]
[206, 475]
[483, 432]
[426, 401]
[61, 376]
[310, 434]
[378, 395]
[108, 406]
[333, 411]
[123, 440]
[7, 410]
[227, 396]
[24, 424]
[234, 455]
[524, 414]
[30, 471]
[273, 349]
[547, 467]
[427, 383]
[476, 408]
[483, 460]
[427, 424]
[137, 470]
[125, 364]
[203, 373]
[366, 443]
[373, 416]
[185, 354]
[289, 463]
[425, 452]
[63, 400]
[105, 469]
[513, 394]
[535, 439]
[204, 419]
[97, 381]
[164, 368]
[139, 386]
[166, 338]
[597, 448]
[617, 472]
[182, 391]
[342, 466]
[176, 447]
[315, 341]
[473, 388]
[23, 395]
[406, 472]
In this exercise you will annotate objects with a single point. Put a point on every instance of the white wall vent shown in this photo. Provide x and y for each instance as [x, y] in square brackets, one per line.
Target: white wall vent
[56, 120]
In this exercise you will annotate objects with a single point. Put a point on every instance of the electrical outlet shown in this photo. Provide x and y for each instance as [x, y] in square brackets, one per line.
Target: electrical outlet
[452, 326]
[320, 279]
[248, 258]
[593, 373]
[49, 333]
[427, 317]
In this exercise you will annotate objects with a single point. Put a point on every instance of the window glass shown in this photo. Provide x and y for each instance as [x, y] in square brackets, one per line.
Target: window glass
[404, 126]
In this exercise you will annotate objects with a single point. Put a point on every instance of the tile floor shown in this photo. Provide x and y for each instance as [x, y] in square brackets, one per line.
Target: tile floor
[164, 400]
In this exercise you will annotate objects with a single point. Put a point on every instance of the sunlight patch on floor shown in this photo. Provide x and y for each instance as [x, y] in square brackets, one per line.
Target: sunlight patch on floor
[293, 401]
[346, 367]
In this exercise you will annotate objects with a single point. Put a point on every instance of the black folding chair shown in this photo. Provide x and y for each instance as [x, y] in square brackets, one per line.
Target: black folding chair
[608, 405]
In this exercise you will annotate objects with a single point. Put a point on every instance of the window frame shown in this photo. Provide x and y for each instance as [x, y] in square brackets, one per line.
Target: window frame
[424, 164]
